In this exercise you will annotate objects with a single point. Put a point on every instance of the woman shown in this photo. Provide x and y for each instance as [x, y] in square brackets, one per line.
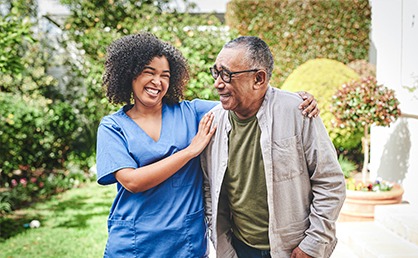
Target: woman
[150, 149]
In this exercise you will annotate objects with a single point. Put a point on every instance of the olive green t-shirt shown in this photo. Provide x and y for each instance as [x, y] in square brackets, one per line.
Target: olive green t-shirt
[245, 183]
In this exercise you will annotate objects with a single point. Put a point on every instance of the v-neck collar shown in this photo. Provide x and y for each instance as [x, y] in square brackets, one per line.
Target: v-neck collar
[126, 108]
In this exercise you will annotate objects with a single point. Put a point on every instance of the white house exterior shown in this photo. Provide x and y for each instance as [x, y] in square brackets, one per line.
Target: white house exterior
[394, 150]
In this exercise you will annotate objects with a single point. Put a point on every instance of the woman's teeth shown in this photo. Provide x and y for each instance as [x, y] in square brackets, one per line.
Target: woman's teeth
[152, 91]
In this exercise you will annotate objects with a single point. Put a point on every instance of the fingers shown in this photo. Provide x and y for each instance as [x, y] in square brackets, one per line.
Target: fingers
[312, 109]
[307, 99]
[203, 136]
[298, 253]
[212, 131]
[206, 122]
[304, 94]
[315, 112]
[206, 129]
[309, 105]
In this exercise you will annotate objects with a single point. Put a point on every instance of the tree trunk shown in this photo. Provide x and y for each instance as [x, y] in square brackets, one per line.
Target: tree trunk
[365, 143]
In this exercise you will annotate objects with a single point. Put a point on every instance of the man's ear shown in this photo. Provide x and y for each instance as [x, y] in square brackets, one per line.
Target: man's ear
[260, 78]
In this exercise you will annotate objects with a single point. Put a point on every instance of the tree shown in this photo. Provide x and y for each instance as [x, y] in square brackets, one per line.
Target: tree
[38, 125]
[14, 31]
[363, 103]
[92, 26]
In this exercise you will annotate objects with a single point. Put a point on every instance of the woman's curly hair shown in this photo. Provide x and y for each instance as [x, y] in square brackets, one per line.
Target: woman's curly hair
[126, 59]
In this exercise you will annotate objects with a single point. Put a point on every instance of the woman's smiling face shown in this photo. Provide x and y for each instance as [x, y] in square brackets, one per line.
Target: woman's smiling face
[152, 83]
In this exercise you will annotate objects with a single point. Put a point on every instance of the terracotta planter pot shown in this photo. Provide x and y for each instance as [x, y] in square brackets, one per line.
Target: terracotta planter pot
[359, 205]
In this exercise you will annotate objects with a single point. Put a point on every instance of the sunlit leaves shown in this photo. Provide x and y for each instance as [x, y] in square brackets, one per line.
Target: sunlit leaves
[365, 102]
[297, 31]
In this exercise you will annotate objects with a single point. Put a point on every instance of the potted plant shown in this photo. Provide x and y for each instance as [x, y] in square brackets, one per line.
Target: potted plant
[360, 104]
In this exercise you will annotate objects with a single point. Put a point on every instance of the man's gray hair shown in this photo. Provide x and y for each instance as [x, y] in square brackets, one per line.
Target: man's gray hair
[258, 54]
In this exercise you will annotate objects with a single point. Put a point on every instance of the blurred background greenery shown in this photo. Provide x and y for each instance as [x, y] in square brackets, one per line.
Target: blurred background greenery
[51, 99]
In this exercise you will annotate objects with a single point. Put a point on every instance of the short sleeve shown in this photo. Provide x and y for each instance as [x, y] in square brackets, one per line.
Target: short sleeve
[112, 152]
[201, 107]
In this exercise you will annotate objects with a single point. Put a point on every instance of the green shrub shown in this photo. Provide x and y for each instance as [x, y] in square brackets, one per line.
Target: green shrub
[39, 128]
[199, 38]
[13, 32]
[35, 134]
[28, 187]
[298, 31]
[200, 45]
[322, 78]
[363, 103]
[363, 68]
[347, 166]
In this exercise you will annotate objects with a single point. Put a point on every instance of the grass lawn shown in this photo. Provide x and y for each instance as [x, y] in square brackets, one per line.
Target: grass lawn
[73, 224]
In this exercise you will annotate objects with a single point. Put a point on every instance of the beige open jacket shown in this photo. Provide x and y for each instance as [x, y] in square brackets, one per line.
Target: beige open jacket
[305, 184]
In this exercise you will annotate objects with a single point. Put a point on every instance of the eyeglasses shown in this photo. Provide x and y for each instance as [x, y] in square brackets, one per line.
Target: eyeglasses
[225, 75]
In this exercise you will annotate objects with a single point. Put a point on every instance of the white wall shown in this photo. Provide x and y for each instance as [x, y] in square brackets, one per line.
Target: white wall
[394, 150]
[52, 7]
[218, 6]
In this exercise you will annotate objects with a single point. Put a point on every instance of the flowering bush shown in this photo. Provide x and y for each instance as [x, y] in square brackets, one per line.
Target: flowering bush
[28, 186]
[363, 103]
[363, 68]
[377, 186]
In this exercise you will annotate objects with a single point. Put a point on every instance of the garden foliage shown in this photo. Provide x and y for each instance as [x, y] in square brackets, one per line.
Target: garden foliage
[91, 27]
[39, 127]
[365, 102]
[323, 77]
[51, 97]
[13, 32]
[36, 133]
[298, 31]
[363, 68]
[361, 104]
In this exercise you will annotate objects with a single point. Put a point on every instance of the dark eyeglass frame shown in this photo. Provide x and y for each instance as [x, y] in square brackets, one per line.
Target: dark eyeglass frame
[227, 76]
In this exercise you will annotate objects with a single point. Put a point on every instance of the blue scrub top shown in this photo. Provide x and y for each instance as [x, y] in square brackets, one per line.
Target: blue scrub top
[166, 220]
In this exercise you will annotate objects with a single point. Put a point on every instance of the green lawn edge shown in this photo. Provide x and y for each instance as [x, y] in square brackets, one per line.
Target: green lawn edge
[73, 224]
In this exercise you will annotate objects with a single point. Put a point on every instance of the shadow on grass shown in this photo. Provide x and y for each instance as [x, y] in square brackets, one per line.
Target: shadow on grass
[11, 226]
[77, 211]
[80, 220]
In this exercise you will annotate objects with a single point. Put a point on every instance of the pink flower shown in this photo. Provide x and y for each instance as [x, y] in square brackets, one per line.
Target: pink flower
[41, 184]
[23, 181]
[14, 182]
[33, 179]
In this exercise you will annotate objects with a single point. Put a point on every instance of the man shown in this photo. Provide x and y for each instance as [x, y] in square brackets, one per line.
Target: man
[273, 184]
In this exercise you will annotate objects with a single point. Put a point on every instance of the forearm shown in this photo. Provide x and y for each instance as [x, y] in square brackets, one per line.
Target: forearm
[144, 178]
